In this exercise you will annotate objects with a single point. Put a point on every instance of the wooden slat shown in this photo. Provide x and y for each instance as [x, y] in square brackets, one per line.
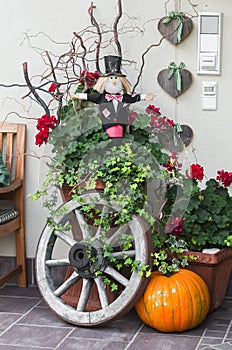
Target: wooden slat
[15, 271]
[10, 226]
[1, 140]
[13, 186]
[13, 139]
[9, 150]
[20, 152]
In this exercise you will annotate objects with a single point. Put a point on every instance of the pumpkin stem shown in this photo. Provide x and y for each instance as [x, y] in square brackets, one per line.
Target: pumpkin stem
[169, 274]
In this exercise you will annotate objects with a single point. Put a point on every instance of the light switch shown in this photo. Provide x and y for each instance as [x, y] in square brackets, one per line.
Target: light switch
[209, 96]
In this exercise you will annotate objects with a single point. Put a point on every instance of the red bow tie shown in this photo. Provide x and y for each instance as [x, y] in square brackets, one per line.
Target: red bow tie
[110, 97]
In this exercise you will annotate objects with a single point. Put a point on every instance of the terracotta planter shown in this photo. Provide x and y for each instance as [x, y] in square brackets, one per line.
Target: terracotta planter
[215, 269]
[66, 191]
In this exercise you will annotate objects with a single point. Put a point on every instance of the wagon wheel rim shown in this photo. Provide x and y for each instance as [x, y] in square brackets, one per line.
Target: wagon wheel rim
[84, 270]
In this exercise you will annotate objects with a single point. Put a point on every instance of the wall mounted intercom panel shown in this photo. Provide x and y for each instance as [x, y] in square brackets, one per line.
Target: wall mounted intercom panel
[209, 42]
[209, 96]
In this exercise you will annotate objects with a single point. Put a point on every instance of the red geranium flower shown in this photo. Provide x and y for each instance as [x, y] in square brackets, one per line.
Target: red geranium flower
[41, 137]
[196, 172]
[46, 122]
[89, 78]
[173, 164]
[53, 87]
[175, 225]
[132, 117]
[151, 109]
[225, 177]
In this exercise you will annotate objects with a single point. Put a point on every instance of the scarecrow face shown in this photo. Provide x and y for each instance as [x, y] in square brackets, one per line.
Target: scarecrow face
[113, 85]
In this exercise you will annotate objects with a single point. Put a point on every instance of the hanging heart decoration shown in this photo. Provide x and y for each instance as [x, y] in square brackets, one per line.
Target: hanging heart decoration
[175, 140]
[175, 80]
[175, 27]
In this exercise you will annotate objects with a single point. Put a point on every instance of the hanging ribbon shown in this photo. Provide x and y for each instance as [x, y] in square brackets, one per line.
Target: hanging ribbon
[176, 129]
[175, 15]
[174, 68]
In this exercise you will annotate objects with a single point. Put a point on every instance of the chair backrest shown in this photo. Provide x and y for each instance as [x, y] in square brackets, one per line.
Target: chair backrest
[13, 146]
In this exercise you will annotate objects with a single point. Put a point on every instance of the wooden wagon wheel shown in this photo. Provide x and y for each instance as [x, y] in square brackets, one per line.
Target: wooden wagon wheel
[82, 248]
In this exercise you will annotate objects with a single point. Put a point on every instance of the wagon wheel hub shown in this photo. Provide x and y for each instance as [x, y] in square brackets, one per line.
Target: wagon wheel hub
[87, 258]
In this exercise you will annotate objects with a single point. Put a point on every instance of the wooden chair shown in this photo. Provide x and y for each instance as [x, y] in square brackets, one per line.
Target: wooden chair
[12, 146]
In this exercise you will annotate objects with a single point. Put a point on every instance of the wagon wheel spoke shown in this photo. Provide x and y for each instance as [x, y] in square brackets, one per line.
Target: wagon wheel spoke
[66, 265]
[65, 238]
[67, 284]
[102, 292]
[116, 275]
[86, 233]
[105, 210]
[115, 238]
[57, 262]
[85, 293]
[124, 253]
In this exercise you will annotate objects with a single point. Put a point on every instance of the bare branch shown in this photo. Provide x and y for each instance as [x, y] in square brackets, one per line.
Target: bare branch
[57, 86]
[115, 28]
[99, 41]
[33, 90]
[83, 47]
[143, 61]
[12, 85]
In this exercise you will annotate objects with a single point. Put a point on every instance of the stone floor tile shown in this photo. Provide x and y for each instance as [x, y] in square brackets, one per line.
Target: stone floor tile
[198, 331]
[29, 336]
[131, 316]
[224, 312]
[7, 319]
[148, 341]
[11, 290]
[211, 341]
[225, 346]
[113, 332]
[12, 347]
[84, 344]
[215, 334]
[214, 322]
[42, 316]
[17, 305]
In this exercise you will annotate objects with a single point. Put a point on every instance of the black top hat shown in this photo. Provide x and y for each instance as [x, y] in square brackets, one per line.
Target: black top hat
[112, 66]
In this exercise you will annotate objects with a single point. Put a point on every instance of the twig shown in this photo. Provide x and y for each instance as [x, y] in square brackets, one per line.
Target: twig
[32, 89]
[143, 61]
[12, 85]
[95, 24]
[193, 7]
[57, 86]
[115, 28]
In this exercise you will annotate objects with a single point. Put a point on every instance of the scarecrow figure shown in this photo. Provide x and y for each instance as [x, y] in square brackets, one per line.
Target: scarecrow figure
[113, 98]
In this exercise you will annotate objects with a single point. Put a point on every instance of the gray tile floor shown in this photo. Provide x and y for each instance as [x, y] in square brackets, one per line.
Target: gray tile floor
[26, 323]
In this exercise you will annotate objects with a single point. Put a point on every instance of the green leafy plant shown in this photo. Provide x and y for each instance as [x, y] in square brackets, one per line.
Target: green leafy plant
[207, 221]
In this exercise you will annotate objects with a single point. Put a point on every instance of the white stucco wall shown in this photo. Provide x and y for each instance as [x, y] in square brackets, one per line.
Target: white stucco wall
[58, 20]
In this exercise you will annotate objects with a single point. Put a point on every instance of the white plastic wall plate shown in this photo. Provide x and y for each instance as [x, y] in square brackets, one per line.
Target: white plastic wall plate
[209, 43]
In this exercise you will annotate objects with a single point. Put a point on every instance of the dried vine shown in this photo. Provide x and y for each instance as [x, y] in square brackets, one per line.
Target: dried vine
[72, 66]
[33, 90]
[115, 28]
[99, 41]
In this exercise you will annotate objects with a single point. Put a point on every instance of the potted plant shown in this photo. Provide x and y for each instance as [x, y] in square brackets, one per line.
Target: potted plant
[206, 227]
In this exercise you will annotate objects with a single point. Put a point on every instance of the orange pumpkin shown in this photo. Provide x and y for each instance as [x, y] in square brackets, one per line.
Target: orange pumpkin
[175, 303]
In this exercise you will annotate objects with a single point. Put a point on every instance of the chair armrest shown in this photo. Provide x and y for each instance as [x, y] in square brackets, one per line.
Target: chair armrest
[13, 186]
